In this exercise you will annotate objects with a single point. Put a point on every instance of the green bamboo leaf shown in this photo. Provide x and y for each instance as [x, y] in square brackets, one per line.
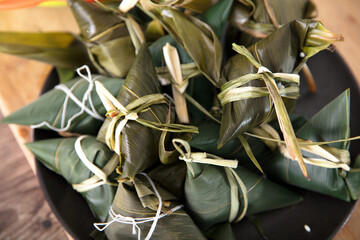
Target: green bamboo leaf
[139, 144]
[353, 179]
[59, 156]
[318, 128]
[154, 31]
[256, 19]
[178, 25]
[245, 114]
[217, 15]
[50, 108]
[196, 84]
[285, 124]
[62, 50]
[193, 5]
[96, 23]
[171, 176]
[167, 153]
[157, 55]
[147, 195]
[115, 56]
[207, 194]
[317, 39]
[249, 152]
[207, 141]
[200, 108]
[197, 6]
[177, 225]
[106, 35]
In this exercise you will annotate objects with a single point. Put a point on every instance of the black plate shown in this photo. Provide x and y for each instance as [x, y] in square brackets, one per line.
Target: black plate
[325, 215]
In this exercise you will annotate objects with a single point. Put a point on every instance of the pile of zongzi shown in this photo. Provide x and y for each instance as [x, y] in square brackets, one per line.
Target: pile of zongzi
[174, 117]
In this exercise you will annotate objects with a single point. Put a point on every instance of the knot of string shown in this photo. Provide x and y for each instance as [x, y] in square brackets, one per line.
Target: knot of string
[120, 115]
[238, 89]
[136, 221]
[64, 126]
[203, 157]
[112, 104]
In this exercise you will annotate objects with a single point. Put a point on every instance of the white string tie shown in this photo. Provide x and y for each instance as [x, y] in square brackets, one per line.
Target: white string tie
[82, 104]
[201, 157]
[100, 175]
[136, 221]
[89, 183]
[92, 167]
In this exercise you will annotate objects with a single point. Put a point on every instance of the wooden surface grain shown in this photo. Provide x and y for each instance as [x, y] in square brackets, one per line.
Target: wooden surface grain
[21, 79]
[343, 17]
[23, 212]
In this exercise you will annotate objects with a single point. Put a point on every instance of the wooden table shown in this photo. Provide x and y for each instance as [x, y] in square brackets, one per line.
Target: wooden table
[23, 212]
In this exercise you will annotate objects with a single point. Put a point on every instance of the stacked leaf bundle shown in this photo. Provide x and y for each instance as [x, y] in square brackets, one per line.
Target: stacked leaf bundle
[161, 82]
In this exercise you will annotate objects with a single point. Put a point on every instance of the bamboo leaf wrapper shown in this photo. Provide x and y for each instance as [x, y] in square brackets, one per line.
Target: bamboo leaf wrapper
[50, 107]
[60, 156]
